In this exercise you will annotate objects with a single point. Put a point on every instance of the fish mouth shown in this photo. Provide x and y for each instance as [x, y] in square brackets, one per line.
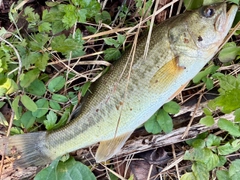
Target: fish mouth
[231, 8]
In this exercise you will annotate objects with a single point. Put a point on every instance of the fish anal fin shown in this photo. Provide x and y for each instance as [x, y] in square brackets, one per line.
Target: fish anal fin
[109, 148]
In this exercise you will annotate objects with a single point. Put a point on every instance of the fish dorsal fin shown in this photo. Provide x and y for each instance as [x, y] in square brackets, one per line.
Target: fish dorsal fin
[109, 148]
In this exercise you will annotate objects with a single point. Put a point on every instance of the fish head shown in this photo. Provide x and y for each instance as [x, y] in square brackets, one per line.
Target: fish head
[200, 32]
[211, 24]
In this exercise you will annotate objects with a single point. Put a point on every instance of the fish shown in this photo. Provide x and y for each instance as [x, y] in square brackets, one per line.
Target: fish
[131, 91]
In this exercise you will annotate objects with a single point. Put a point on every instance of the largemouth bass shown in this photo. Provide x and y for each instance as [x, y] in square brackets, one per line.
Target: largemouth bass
[131, 92]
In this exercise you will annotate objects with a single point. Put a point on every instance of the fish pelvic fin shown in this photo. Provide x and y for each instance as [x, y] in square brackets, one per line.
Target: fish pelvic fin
[28, 149]
[109, 148]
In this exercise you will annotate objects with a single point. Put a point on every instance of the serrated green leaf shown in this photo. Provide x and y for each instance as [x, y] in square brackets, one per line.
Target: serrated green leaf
[51, 120]
[56, 84]
[121, 38]
[37, 87]
[70, 16]
[229, 148]
[111, 41]
[103, 16]
[164, 121]
[42, 61]
[222, 175]
[207, 121]
[152, 126]
[111, 54]
[28, 103]
[92, 6]
[27, 119]
[42, 108]
[200, 171]
[171, 107]
[29, 77]
[38, 42]
[70, 170]
[59, 98]
[229, 126]
[229, 101]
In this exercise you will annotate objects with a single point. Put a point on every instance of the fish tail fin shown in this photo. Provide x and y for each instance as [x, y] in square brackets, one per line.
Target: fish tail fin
[28, 149]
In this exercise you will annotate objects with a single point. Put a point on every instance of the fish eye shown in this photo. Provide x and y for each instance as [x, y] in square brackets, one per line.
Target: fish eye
[208, 12]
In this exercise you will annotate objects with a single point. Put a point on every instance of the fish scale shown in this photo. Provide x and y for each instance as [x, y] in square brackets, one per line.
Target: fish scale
[119, 102]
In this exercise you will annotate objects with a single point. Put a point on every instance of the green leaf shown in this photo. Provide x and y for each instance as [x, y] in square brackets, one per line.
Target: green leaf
[54, 105]
[70, 17]
[213, 140]
[229, 52]
[103, 16]
[42, 108]
[229, 126]
[28, 103]
[59, 98]
[27, 119]
[37, 87]
[164, 121]
[229, 101]
[48, 173]
[85, 88]
[91, 6]
[207, 111]
[45, 27]
[15, 107]
[152, 125]
[198, 143]
[121, 38]
[207, 121]
[222, 175]
[64, 118]
[237, 115]
[42, 61]
[188, 176]
[192, 4]
[111, 41]
[229, 148]
[51, 120]
[70, 170]
[200, 171]
[29, 77]
[234, 171]
[198, 154]
[56, 84]
[111, 54]
[209, 70]
[171, 107]
[38, 42]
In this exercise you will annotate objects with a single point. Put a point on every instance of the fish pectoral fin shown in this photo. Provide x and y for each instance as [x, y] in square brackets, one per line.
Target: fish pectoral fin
[109, 148]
